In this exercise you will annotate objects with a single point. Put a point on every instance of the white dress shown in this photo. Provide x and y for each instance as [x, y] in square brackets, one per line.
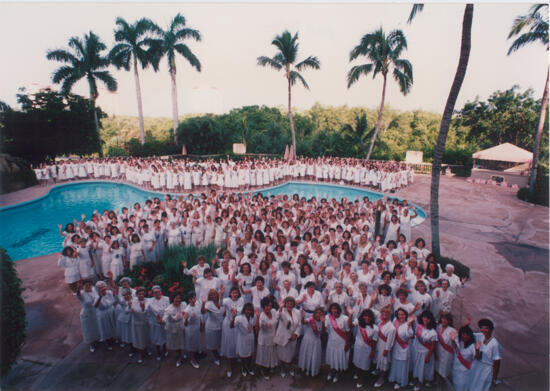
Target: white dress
[72, 271]
[174, 326]
[106, 317]
[266, 353]
[123, 321]
[85, 262]
[421, 370]
[444, 354]
[213, 325]
[400, 357]
[229, 334]
[136, 255]
[336, 356]
[362, 349]
[462, 366]
[386, 339]
[310, 356]
[193, 328]
[392, 232]
[482, 370]
[245, 335]
[289, 324]
[88, 316]
[140, 334]
[156, 307]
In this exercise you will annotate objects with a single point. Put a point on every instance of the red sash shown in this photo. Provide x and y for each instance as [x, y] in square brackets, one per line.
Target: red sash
[466, 363]
[404, 344]
[382, 336]
[442, 342]
[419, 329]
[313, 326]
[338, 330]
[366, 338]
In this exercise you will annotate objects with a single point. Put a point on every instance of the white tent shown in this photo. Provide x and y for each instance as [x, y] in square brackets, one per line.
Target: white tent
[505, 153]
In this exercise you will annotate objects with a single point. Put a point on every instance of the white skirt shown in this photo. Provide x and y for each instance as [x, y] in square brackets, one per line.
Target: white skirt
[213, 339]
[336, 357]
[286, 353]
[361, 356]
[399, 372]
[266, 356]
[157, 333]
[175, 340]
[228, 341]
[421, 370]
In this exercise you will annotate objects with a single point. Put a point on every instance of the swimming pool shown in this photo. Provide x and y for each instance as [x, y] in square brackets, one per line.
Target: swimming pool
[30, 229]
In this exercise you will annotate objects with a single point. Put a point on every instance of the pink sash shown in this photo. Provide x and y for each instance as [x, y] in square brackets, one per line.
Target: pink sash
[467, 364]
[382, 336]
[313, 326]
[366, 338]
[404, 344]
[338, 330]
[442, 342]
[419, 329]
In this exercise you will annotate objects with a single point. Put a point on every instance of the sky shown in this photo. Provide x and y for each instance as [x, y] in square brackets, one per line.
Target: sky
[235, 34]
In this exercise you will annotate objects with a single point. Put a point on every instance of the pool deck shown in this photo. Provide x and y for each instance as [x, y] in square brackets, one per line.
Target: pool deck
[503, 240]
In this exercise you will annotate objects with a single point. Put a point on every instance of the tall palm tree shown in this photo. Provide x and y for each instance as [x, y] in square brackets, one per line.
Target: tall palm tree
[536, 25]
[384, 52]
[84, 60]
[169, 43]
[131, 49]
[358, 132]
[446, 119]
[285, 59]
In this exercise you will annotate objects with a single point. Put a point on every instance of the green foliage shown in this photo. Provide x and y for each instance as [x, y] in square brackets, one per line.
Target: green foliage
[13, 314]
[168, 272]
[133, 147]
[540, 194]
[203, 135]
[461, 270]
[13, 181]
[49, 124]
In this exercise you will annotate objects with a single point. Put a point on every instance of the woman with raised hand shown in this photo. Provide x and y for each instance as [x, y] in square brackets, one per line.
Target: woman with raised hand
[338, 345]
[486, 365]
[386, 339]
[400, 357]
[157, 328]
[464, 346]
[366, 335]
[424, 348]
[69, 261]
[310, 355]
[174, 326]
[286, 336]
[105, 306]
[266, 352]
[245, 323]
[192, 323]
[140, 333]
[88, 316]
[444, 350]
[232, 306]
[213, 326]
[123, 313]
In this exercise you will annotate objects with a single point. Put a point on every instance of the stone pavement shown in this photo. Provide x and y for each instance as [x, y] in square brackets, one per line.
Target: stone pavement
[503, 240]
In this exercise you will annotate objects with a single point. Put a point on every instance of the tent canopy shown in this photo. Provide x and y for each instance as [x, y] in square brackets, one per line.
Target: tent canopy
[505, 153]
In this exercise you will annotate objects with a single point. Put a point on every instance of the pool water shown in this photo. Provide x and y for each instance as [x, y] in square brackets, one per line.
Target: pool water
[30, 229]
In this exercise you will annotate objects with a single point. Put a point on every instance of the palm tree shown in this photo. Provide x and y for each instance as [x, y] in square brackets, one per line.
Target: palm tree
[384, 52]
[536, 25]
[358, 132]
[131, 49]
[285, 59]
[85, 60]
[169, 43]
[446, 119]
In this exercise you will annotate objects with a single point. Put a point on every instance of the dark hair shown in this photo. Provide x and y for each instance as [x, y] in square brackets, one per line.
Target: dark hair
[248, 306]
[246, 264]
[448, 316]
[386, 287]
[207, 270]
[235, 288]
[430, 316]
[309, 284]
[487, 323]
[190, 295]
[362, 322]
[259, 278]
[337, 306]
[466, 330]
[420, 240]
[402, 310]
[265, 302]
[174, 296]
[66, 251]
[401, 291]
[435, 271]
[303, 271]
[285, 264]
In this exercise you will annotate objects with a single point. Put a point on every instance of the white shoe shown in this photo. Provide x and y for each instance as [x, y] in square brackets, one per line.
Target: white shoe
[291, 372]
[217, 362]
[194, 364]
[266, 377]
[251, 372]
[178, 363]
[355, 376]
[229, 374]
[244, 373]
[92, 349]
[396, 386]
[329, 377]
[335, 379]
[109, 348]
[358, 385]
[416, 388]
[130, 354]
[166, 353]
[140, 361]
[379, 383]
[283, 374]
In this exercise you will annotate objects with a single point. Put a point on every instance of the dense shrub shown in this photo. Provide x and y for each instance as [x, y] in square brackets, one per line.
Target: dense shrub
[540, 194]
[461, 270]
[13, 181]
[133, 147]
[13, 314]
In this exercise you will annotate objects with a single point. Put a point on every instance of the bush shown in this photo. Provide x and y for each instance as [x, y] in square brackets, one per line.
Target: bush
[133, 147]
[461, 270]
[13, 181]
[114, 151]
[168, 273]
[540, 193]
[13, 314]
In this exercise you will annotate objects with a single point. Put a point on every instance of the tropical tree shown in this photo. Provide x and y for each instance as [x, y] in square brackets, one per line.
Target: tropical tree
[384, 52]
[534, 26]
[132, 47]
[84, 60]
[169, 43]
[466, 43]
[356, 133]
[285, 59]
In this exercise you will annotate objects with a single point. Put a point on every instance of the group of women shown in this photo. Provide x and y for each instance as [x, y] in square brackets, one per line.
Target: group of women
[187, 175]
[295, 283]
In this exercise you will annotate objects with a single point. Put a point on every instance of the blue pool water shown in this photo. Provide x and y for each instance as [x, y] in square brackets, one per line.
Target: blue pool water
[30, 229]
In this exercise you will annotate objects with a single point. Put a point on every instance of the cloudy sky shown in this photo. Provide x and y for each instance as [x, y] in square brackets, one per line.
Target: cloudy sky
[235, 34]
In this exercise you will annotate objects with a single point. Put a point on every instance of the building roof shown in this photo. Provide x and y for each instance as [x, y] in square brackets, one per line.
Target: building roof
[505, 153]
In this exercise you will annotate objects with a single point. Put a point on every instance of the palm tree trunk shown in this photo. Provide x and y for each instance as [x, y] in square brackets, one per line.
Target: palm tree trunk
[291, 120]
[378, 120]
[540, 127]
[140, 107]
[446, 122]
[174, 101]
[93, 98]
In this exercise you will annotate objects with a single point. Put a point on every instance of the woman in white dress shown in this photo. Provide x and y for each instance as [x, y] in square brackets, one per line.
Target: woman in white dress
[423, 352]
[232, 306]
[337, 353]
[192, 317]
[486, 365]
[85, 260]
[69, 261]
[266, 352]
[400, 357]
[310, 356]
[214, 317]
[384, 345]
[444, 350]
[140, 334]
[137, 255]
[174, 326]
[393, 229]
[88, 315]
[286, 336]
[123, 313]
[465, 350]
[118, 260]
[244, 323]
[157, 331]
[105, 306]
[366, 335]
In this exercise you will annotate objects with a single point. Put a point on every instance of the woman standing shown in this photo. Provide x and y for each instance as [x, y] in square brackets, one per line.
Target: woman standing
[232, 306]
[424, 347]
[266, 353]
[337, 353]
[366, 335]
[124, 317]
[244, 323]
[137, 255]
[464, 346]
[192, 317]
[104, 304]
[444, 350]
[386, 339]
[69, 261]
[157, 332]
[400, 363]
[310, 356]
[286, 336]
[486, 365]
[140, 334]
[173, 319]
[88, 317]
[214, 318]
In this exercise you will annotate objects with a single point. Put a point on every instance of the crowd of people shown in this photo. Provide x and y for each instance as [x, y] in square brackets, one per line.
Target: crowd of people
[188, 175]
[295, 284]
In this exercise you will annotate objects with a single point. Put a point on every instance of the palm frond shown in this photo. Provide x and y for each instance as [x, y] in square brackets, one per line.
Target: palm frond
[188, 55]
[403, 80]
[63, 73]
[287, 45]
[120, 56]
[61, 56]
[523, 40]
[296, 76]
[68, 84]
[404, 66]
[107, 79]
[188, 33]
[356, 71]
[271, 62]
[416, 9]
[177, 22]
[310, 62]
